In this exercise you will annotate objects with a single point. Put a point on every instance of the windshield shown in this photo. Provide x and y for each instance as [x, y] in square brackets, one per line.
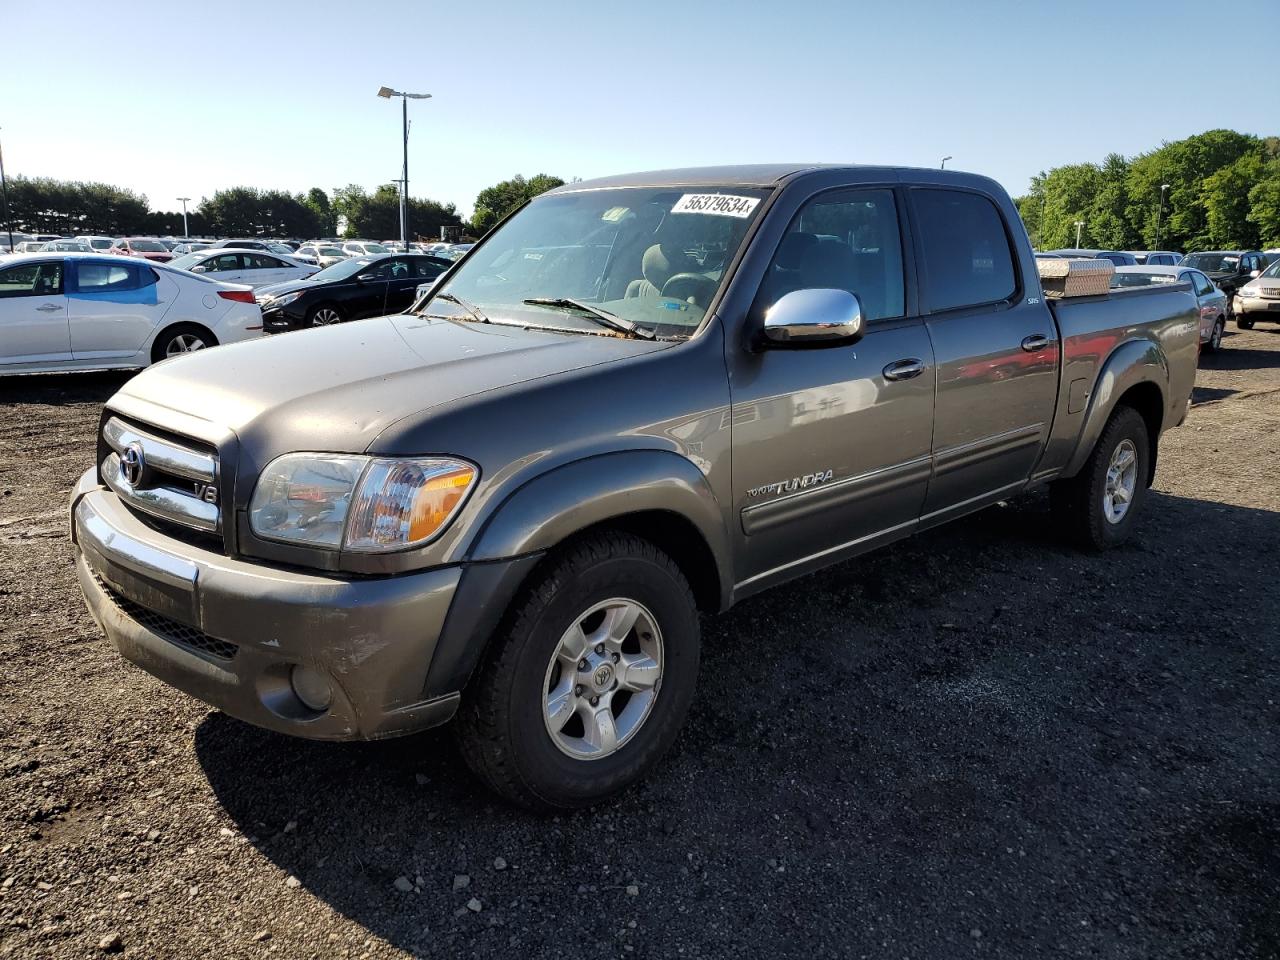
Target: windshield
[1140, 279]
[343, 270]
[100, 243]
[1272, 272]
[148, 246]
[375, 248]
[187, 261]
[331, 252]
[653, 256]
[1213, 262]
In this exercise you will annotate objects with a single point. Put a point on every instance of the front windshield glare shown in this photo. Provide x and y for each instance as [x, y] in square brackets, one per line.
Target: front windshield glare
[1212, 262]
[654, 256]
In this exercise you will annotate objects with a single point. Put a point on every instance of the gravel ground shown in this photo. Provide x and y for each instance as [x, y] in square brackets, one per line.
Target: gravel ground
[974, 744]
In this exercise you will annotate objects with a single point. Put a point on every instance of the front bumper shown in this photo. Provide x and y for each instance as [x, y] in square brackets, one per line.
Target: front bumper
[282, 319]
[1257, 305]
[229, 632]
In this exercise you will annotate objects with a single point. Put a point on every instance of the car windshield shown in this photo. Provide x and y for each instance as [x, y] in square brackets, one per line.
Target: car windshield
[187, 262]
[331, 252]
[149, 246]
[1213, 262]
[1140, 279]
[344, 270]
[100, 243]
[376, 248]
[279, 248]
[654, 256]
[1273, 271]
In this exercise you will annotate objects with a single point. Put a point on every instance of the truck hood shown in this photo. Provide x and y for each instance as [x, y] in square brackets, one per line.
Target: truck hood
[337, 388]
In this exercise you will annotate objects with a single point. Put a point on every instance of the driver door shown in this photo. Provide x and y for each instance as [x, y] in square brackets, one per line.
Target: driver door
[34, 329]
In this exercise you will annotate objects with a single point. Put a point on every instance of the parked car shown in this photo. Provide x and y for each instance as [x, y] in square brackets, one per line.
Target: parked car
[350, 290]
[18, 240]
[93, 312]
[65, 246]
[456, 250]
[144, 247]
[364, 248]
[1228, 269]
[191, 246]
[29, 246]
[1118, 257]
[98, 243]
[251, 267]
[241, 244]
[523, 495]
[1211, 303]
[1156, 258]
[322, 254]
[1259, 299]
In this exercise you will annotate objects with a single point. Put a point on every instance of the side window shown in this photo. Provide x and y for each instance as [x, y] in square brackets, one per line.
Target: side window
[260, 261]
[389, 269]
[1202, 283]
[105, 277]
[846, 240]
[967, 258]
[425, 269]
[225, 261]
[31, 280]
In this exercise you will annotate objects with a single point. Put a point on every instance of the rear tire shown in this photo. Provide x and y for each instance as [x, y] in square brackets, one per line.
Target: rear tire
[1096, 509]
[1215, 338]
[528, 726]
[179, 339]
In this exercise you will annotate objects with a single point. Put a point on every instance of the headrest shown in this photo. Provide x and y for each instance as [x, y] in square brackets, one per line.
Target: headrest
[662, 261]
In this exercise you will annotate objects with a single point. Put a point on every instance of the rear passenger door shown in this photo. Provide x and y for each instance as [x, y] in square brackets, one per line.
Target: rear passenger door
[113, 308]
[995, 346]
[831, 445]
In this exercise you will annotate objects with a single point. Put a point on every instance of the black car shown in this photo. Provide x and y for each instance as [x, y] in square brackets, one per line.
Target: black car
[1228, 269]
[355, 288]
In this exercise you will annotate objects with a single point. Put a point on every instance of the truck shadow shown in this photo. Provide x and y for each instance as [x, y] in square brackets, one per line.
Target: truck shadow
[977, 709]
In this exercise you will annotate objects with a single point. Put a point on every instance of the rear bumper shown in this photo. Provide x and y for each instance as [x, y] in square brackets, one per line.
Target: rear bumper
[230, 632]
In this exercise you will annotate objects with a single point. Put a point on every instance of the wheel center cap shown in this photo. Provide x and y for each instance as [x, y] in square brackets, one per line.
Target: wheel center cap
[603, 676]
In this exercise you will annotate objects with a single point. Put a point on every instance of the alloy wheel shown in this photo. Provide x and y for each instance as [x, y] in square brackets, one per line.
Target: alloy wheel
[184, 343]
[1122, 481]
[324, 317]
[603, 678]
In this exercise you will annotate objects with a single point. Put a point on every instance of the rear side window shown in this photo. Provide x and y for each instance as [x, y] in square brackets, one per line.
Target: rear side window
[1202, 283]
[110, 277]
[967, 258]
[223, 262]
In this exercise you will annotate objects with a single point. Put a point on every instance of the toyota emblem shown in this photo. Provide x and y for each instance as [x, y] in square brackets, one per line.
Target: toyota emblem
[132, 464]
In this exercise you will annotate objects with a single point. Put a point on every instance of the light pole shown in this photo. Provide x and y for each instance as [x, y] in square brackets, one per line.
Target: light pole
[944, 163]
[4, 191]
[186, 234]
[1079, 227]
[1160, 213]
[387, 93]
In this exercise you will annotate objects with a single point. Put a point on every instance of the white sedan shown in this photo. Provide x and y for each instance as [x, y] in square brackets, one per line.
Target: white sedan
[253, 267]
[93, 312]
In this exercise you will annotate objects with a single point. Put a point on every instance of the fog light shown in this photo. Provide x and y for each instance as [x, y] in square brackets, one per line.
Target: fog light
[311, 687]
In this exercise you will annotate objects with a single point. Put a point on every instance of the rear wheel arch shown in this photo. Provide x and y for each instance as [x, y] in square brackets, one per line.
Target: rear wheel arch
[1136, 374]
[159, 344]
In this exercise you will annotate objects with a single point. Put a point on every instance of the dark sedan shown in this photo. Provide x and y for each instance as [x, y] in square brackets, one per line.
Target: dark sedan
[355, 288]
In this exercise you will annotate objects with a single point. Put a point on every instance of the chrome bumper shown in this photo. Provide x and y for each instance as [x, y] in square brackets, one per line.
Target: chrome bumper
[229, 632]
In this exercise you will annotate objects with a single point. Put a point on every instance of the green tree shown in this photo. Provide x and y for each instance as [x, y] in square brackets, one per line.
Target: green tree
[318, 202]
[1264, 205]
[494, 203]
[1225, 195]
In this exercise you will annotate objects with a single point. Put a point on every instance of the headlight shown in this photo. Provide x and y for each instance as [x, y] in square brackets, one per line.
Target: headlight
[1246, 292]
[366, 504]
[285, 300]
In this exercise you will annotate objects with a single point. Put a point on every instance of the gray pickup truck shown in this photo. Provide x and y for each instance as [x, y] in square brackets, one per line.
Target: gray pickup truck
[638, 400]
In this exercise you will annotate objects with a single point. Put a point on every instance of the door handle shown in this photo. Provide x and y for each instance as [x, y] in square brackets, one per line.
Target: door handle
[47, 307]
[904, 369]
[1035, 343]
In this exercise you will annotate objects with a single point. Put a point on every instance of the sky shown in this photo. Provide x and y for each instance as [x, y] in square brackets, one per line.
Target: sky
[174, 99]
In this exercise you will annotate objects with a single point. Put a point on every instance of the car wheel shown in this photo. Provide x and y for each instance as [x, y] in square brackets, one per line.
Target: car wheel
[325, 315]
[179, 339]
[1215, 339]
[589, 680]
[1242, 323]
[1097, 507]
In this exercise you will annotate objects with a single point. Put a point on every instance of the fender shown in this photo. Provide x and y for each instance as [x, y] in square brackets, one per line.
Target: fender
[556, 505]
[1131, 363]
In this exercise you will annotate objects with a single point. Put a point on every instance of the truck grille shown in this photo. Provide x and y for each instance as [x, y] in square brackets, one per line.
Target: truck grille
[176, 633]
[173, 480]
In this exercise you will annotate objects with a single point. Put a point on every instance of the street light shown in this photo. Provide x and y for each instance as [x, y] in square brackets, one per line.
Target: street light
[185, 232]
[1079, 227]
[1160, 213]
[4, 191]
[387, 93]
[944, 162]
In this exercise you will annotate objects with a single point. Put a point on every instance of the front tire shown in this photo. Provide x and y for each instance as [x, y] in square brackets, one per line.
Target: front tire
[324, 315]
[589, 680]
[179, 339]
[1096, 509]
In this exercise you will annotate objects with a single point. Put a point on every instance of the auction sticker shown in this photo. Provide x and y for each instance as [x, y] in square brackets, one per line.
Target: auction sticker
[716, 204]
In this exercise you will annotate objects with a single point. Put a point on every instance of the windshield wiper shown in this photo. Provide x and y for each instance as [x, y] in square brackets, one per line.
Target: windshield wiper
[604, 317]
[471, 308]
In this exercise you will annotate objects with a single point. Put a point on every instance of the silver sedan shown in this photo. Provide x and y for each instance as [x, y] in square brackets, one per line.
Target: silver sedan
[1211, 301]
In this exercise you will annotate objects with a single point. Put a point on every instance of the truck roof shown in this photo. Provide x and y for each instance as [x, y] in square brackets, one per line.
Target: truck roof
[753, 175]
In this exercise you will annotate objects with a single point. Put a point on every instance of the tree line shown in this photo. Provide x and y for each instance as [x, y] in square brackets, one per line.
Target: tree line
[67, 208]
[1215, 190]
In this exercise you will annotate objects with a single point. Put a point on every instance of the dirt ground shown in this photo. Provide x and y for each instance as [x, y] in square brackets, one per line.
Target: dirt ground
[977, 743]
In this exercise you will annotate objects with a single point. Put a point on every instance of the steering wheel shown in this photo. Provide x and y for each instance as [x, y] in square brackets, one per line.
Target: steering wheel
[694, 287]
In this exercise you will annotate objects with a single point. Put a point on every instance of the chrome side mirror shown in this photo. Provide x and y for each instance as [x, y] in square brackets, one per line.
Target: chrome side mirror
[815, 317]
